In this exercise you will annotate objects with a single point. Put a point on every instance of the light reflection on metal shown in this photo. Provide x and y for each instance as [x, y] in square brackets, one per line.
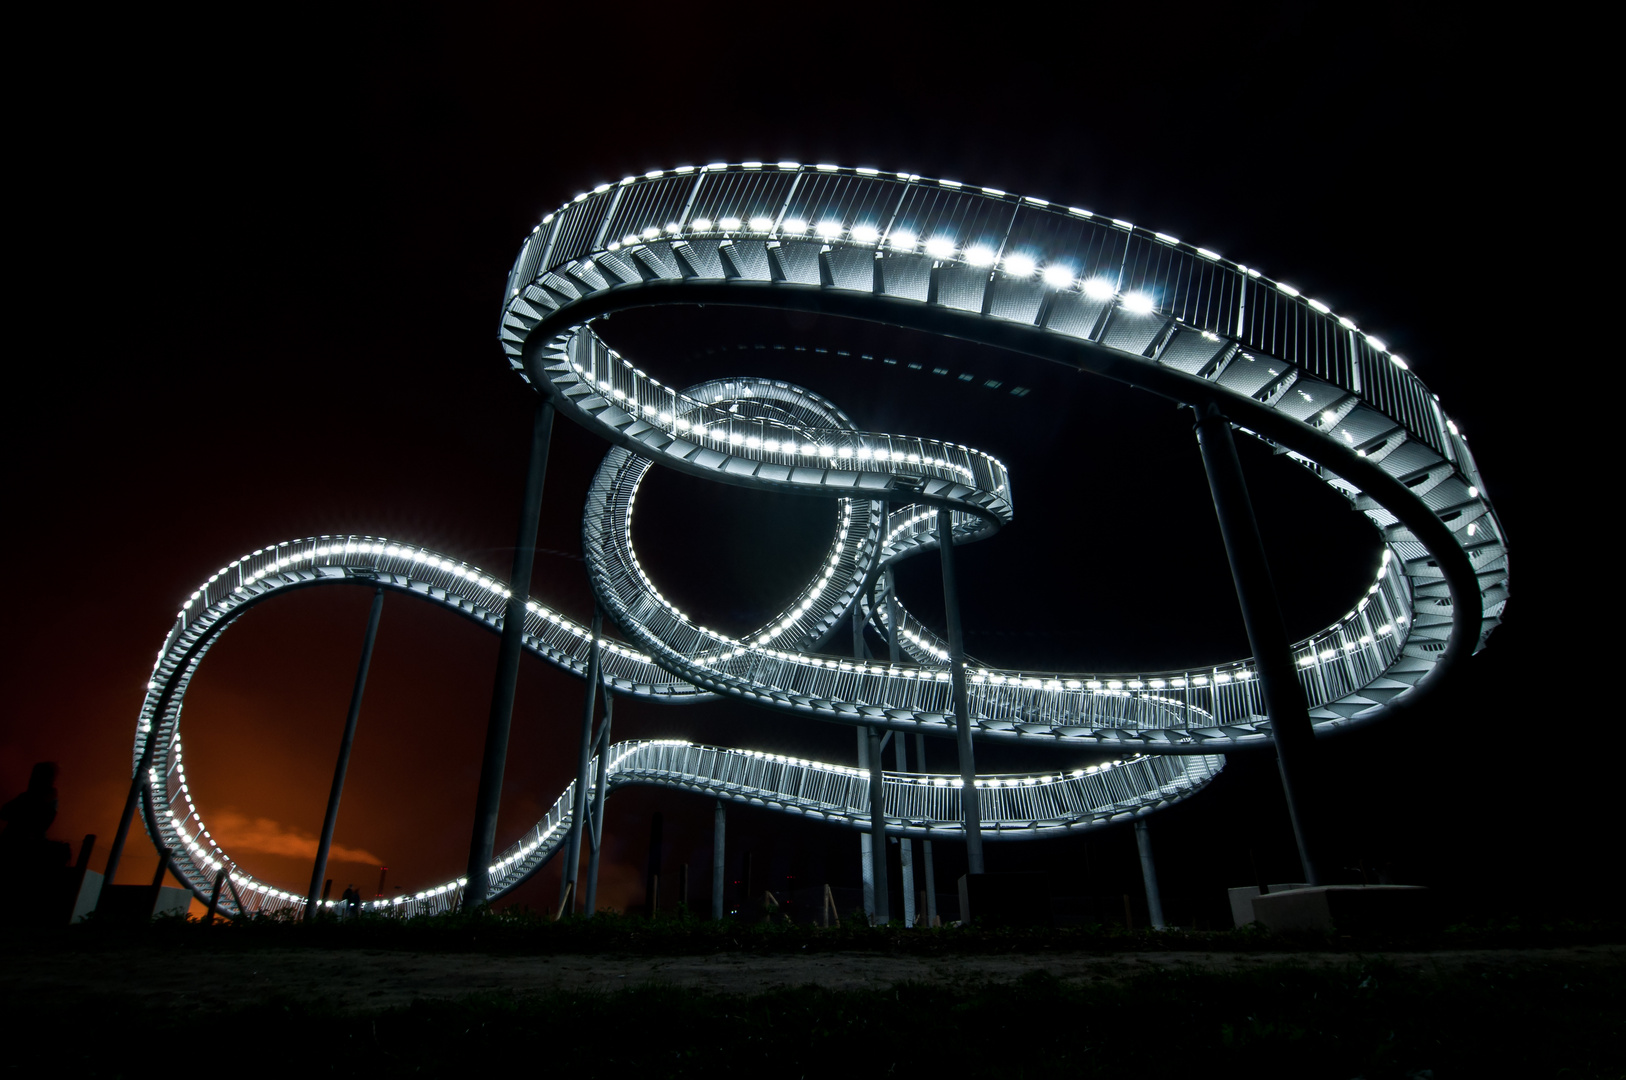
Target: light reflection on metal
[1034, 277]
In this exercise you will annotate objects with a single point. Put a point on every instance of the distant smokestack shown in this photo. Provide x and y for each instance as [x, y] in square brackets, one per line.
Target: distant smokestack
[382, 870]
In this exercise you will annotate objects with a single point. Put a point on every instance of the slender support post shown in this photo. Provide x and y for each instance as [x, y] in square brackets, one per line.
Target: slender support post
[143, 765]
[926, 846]
[163, 867]
[214, 895]
[488, 797]
[870, 754]
[719, 825]
[1148, 873]
[578, 812]
[236, 897]
[866, 839]
[1267, 634]
[877, 827]
[331, 817]
[601, 747]
[970, 804]
[906, 855]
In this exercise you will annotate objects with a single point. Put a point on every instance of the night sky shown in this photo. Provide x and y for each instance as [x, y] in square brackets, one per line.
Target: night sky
[260, 283]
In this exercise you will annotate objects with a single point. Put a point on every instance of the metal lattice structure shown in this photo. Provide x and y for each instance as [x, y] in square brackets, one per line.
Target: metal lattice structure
[1019, 273]
[1016, 807]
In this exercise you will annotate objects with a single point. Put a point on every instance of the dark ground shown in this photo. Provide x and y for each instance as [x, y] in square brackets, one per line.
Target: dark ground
[627, 997]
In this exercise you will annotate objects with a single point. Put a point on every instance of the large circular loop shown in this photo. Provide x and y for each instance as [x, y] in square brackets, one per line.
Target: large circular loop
[1052, 282]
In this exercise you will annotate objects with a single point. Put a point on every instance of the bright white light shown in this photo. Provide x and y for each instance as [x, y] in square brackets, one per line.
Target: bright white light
[789, 164]
[651, 232]
[729, 224]
[1020, 266]
[828, 229]
[794, 225]
[761, 224]
[1345, 323]
[701, 224]
[1098, 288]
[979, 255]
[940, 247]
[1058, 277]
[1473, 493]
[1376, 343]
[1329, 416]
[1288, 289]
[903, 240]
[866, 234]
[1138, 303]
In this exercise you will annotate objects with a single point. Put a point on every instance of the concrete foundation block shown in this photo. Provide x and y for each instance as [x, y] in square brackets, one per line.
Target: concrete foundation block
[1347, 909]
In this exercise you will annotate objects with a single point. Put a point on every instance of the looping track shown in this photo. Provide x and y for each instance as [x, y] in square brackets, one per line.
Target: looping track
[1053, 283]
[1015, 807]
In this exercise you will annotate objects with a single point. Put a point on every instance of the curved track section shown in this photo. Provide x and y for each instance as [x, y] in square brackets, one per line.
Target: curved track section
[1014, 806]
[1053, 282]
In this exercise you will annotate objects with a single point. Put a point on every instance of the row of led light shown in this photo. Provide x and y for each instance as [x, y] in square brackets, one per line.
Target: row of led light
[869, 234]
[1344, 626]
[740, 647]
[354, 546]
[794, 615]
[473, 575]
[997, 678]
[502, 865]
[581, 633]
[1313, 656]
[667, 417]
[351, 546]
[940, 247]
[925, 780]
[721, 436]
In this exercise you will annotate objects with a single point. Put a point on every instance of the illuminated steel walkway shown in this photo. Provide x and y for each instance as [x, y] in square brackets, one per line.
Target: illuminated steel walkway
[1014, 807]
[1051, 282]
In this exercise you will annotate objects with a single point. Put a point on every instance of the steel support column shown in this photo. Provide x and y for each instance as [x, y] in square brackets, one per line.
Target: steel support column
[906, 855]
[870, 755]
[877, 826]
[970, 803]
[601, 747]
[331, 817]
[926, 845]
[1148, 873]
[488, 797]
[133, 796]
[719, 824]
[866, 838]
[578, 806]
[1285, 702]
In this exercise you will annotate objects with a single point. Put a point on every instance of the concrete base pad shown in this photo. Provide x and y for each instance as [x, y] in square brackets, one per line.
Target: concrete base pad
[1348, 909]
[1242, 899]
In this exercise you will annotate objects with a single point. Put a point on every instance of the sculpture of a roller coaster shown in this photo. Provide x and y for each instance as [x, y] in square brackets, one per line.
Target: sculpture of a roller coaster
[1052, 282]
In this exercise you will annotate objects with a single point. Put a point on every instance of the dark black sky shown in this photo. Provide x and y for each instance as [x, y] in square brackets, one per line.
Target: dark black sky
[259, 269]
